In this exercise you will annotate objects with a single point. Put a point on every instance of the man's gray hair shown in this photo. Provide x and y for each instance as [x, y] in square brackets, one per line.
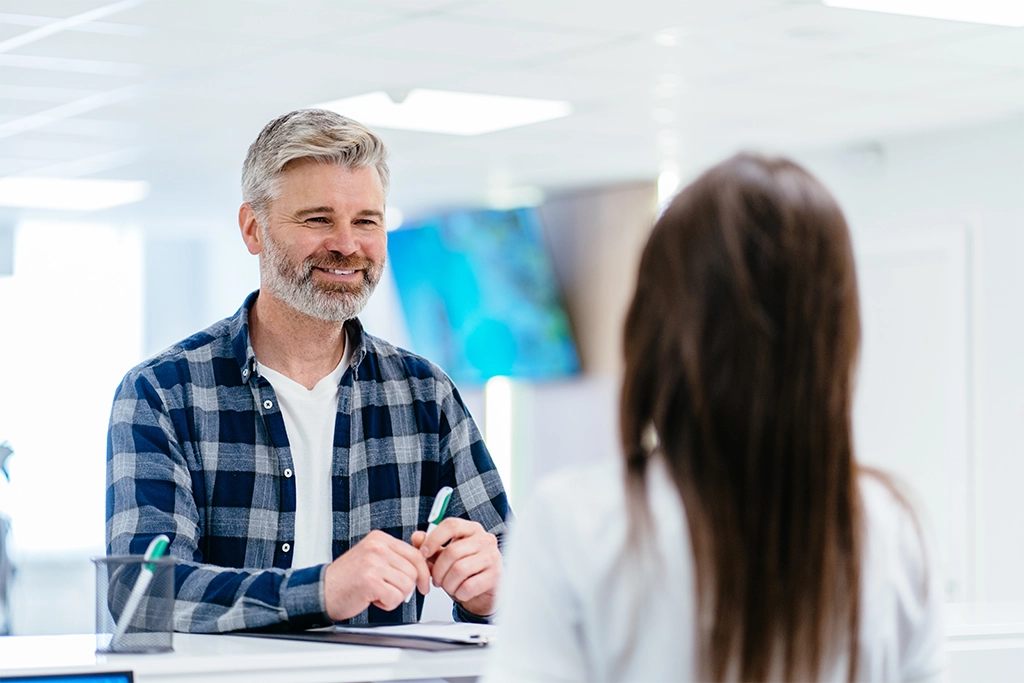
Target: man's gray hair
[308, 134]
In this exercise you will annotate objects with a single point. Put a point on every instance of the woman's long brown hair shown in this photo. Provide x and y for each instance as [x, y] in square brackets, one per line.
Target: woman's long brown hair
[740, 345]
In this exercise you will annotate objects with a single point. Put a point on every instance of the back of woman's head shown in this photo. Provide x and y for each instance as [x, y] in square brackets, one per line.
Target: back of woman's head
[740, 344]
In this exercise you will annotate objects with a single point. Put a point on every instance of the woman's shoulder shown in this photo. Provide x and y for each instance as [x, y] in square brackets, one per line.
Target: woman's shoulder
[582, 497]
[587, 507]
[889, 508]
[899, 554]
[585, 481]
[901, 593]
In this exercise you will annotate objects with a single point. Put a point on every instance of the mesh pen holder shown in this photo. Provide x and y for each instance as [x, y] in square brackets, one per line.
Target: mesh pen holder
[134, 604]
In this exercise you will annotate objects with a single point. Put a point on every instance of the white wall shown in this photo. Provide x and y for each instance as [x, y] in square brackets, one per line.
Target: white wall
[967, 185]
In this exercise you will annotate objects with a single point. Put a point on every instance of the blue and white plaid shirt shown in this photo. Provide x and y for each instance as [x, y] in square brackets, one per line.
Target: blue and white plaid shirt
[197, 450]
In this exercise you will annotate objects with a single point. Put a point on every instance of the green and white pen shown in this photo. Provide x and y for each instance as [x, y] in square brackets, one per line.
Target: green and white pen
[437, 510]
[157, 548]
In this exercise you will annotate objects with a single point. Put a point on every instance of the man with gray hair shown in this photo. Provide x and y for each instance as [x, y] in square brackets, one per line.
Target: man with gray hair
[292, 458]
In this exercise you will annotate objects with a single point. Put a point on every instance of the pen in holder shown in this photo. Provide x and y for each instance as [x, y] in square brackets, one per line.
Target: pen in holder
[134, 603]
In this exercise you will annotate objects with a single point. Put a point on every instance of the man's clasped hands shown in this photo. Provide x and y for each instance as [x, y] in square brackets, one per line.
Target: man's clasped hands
[458, 556]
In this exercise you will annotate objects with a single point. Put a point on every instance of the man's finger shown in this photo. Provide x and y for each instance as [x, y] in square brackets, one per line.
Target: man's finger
[447, 531]
[477, 585]
[391, 588]
[407, 559]
[457, 572]
[455, 551]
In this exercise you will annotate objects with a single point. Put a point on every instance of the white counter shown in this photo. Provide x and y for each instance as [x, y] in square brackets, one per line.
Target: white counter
[230, 659]
[985, 642]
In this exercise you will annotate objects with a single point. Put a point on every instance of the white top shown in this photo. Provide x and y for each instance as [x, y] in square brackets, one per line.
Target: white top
[309, 420]
[574, 604]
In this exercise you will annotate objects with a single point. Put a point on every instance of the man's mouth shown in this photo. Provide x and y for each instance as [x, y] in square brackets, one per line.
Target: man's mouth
[333, 271]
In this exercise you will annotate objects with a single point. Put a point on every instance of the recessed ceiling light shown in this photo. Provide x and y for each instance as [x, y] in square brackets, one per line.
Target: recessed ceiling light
[454, 113]
[997, 12]
[69, 194]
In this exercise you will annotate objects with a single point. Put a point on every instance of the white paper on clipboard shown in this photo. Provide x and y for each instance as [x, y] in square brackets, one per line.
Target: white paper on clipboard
[470, 634]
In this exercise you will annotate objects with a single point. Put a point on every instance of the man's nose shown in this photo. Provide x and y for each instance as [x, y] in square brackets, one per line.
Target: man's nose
[342, 239]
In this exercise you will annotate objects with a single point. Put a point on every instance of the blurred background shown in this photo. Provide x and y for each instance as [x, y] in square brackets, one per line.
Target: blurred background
[123, 127]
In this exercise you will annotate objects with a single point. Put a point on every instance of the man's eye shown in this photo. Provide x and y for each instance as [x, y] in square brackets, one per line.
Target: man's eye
[316, 219]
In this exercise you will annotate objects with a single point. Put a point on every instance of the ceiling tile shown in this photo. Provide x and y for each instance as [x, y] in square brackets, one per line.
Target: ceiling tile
[89, 127]
[39, 78]
[555, 83]
[165, 49]
[41, 149]
[52, 8]
[11, 109]
[815, 28]
[306, 20]
[401, 7]
[879, 76]
[693, 61]
[997, 47]
[483, 44]
[617, 17]
[12, 166]
[10, 31]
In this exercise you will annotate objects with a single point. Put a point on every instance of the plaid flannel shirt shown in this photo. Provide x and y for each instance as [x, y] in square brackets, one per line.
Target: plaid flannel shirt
[197, 450]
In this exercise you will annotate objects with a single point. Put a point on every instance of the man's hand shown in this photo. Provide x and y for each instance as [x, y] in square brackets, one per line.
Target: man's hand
[379, 570]
[464, 560]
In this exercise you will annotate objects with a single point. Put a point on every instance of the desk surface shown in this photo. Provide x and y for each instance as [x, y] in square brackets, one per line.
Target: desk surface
[227, 659]
[985, 640]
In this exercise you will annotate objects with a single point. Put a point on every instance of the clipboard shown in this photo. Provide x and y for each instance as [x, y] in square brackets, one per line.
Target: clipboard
[429, 637]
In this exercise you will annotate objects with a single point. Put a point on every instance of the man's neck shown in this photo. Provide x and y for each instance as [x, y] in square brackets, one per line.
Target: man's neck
[298, 346]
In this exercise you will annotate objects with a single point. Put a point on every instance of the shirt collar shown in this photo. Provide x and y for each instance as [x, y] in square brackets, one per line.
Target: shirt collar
[241, 343]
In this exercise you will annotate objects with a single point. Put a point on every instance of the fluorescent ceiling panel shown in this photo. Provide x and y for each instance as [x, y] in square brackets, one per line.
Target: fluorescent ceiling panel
[997, 12]
[454, 113]
[69, 194]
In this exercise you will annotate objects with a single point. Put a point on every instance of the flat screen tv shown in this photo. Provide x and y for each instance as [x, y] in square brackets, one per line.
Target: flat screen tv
[480, 296]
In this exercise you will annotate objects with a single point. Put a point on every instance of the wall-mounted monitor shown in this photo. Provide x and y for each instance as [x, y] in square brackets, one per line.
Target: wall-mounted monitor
[480, 296]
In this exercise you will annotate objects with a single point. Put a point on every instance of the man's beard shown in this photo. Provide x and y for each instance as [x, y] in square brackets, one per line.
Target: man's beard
[295, 286]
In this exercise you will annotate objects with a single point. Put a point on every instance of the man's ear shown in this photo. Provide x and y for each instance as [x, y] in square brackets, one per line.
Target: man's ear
[250, 228]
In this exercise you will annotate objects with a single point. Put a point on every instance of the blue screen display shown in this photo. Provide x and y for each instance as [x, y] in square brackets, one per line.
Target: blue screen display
[480, 296]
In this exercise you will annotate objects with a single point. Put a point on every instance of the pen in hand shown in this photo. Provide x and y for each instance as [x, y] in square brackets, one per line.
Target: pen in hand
[437, 511]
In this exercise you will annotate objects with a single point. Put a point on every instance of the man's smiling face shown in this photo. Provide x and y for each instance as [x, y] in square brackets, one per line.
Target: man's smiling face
[324, 239]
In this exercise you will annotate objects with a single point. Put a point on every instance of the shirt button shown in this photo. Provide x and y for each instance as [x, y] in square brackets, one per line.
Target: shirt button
[268, 404]
[285, 547]
[245, 373]
[287, 473]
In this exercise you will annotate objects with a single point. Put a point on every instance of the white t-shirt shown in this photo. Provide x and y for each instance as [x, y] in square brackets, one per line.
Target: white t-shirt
[309, 420]
[575, 611]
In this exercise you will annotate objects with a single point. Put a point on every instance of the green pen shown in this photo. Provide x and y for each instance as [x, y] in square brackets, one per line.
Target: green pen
[157, 548]
[437, 510]
[440, 506]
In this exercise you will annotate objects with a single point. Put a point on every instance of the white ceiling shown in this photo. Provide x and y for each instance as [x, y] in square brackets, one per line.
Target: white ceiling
[173, 91]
